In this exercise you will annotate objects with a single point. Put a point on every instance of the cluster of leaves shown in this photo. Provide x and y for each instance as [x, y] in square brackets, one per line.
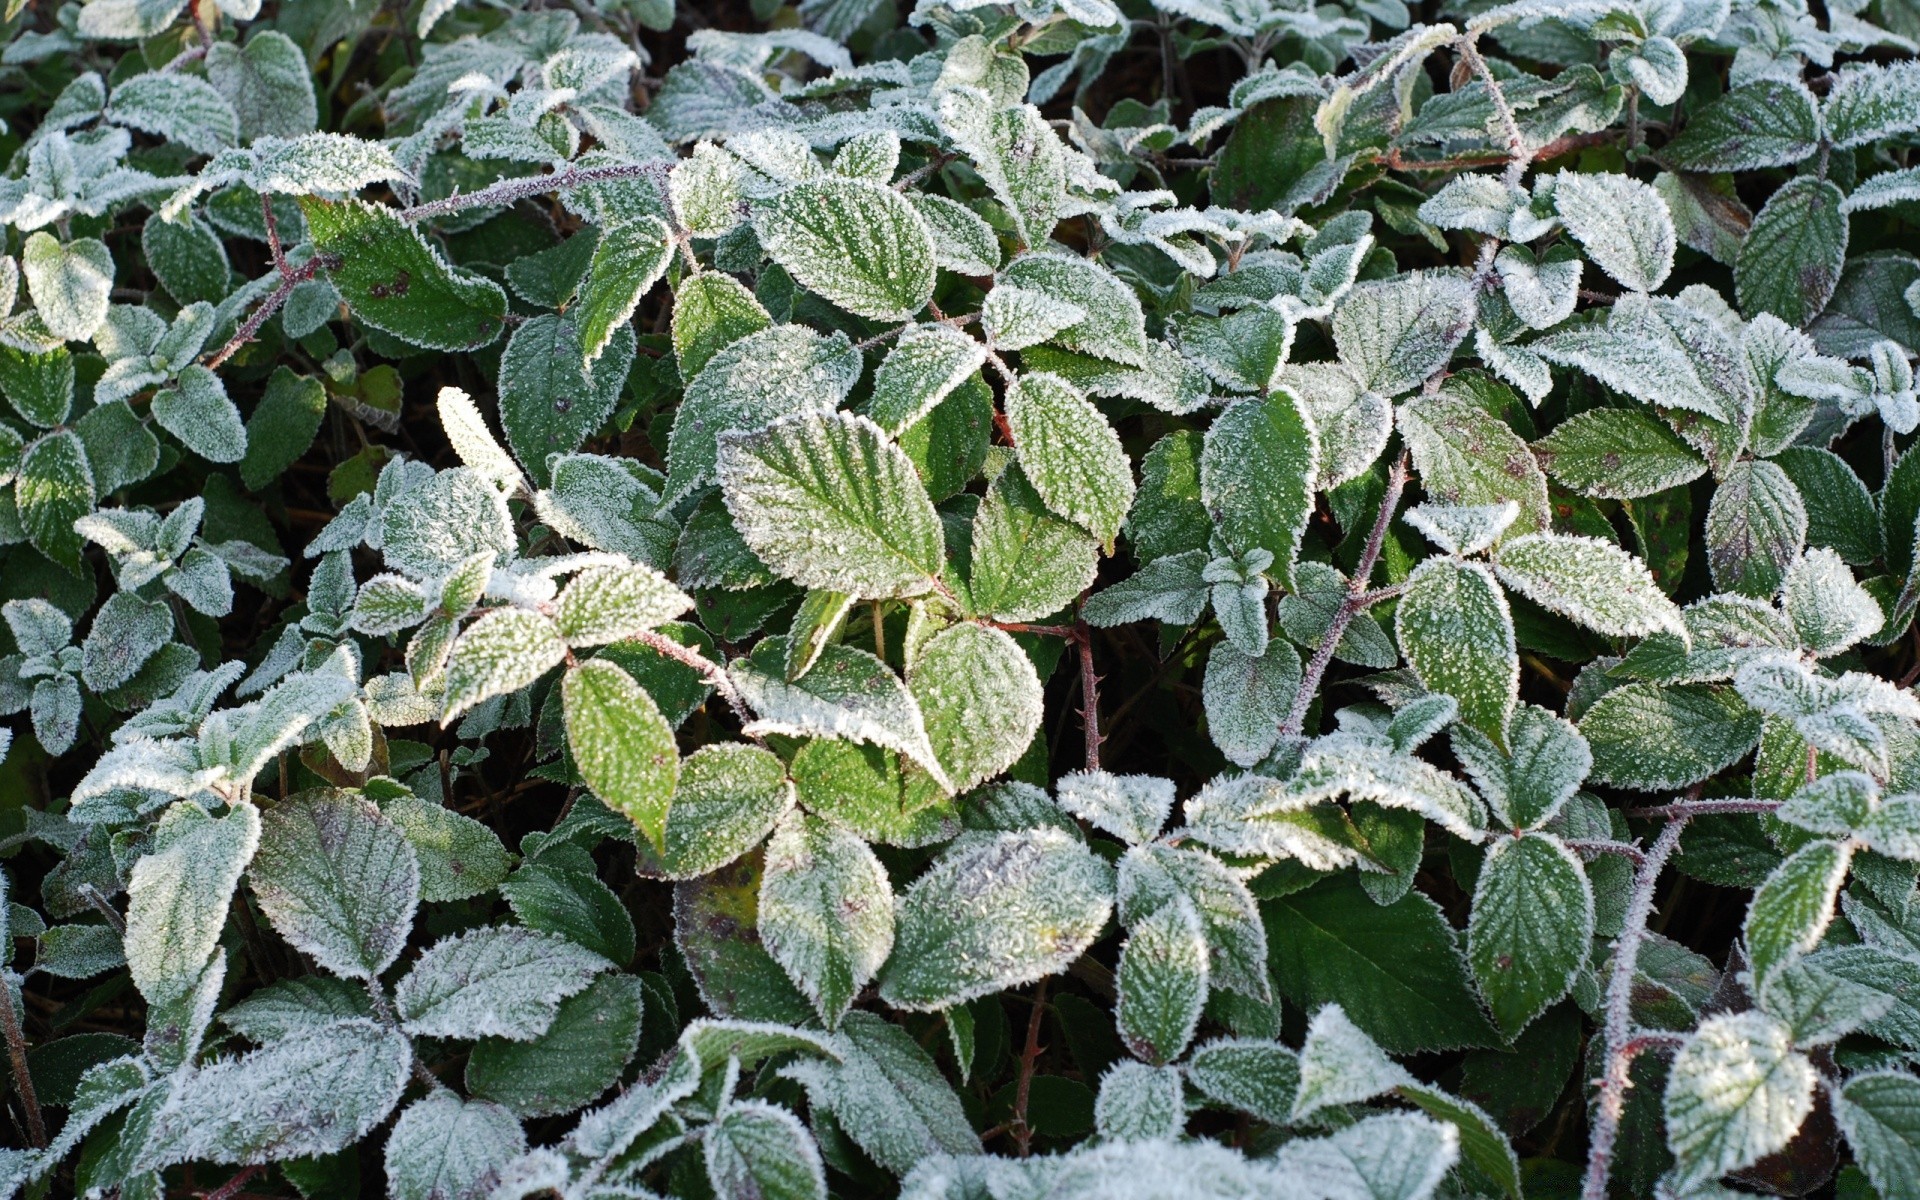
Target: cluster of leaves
[686, 521]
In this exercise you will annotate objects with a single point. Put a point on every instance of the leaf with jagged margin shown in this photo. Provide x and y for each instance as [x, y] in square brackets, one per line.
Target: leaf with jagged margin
[826, 500]
[1870, 102]
[857, 243]
[502, 652]
[921, 370]
[711, 311]
[394, 281]
[1161, 982]
[1622, 223]
[1340, 1065]
[338, 880]
[627, 261]
[1794, 905]
[1765, 123]
[887, 1095]
[1454, 626]
[1024, 562]
[980, 698]
[458, 856]
[1736, 1092]
[498, 981]
[826, 911]
[446, 1148]
[176, 107]
[759, 1151]
[1257, 474]
[1017, 155]
[1152, 875]
[608, 604]
[1591, 581]
[1618, 454]
[310, 1094]
[624, 748]
[1246, 697]
[551, 398]
[1259, 1078]
[1139, 1103]
[1115, 325]
[1879, 1111]
[1465, 455]
[995, 914]
[1829, 609]
[1791, 260]
[1531, 928]
[1651, 738]
[727, 799]
[962, 242]
[1396, 332]
[268, 84]
[68, 284]
[1544, 764]
[178, 894]
[849, 694]
[1132, 808]
[1070, 453]
[1755, 528]
[582, 1054]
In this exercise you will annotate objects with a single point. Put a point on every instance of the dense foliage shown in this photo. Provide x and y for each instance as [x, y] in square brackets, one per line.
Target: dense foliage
[771, 602]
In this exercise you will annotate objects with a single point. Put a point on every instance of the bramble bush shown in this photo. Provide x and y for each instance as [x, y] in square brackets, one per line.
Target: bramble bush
[760, 602]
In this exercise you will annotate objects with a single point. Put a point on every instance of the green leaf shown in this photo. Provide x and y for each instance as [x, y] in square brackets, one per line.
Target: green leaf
[1622, 223]
[197, 411]
[980, 698]
[1162, 982]
[1879, 1111]
[188, 257]
[1618, 454]
[623, 746]
[829, 503]
[502, 652]
[826, 911]
[459, 857]
[1246, 697]
[1766, 123]
[849, 694]
[551, 398]
[1544, 764]
[1531, 929]
[1026, 563]
[1870, 102]
[887, 1095]
[922, 369]
[1258, 1078]
[39, 385]
[1737, 1092]
[726, 801]
[268, 85]
[711, 311]
[1070, 453]
[759, 1151]
[68, 284]
[1651, 738]
[1257, 474]
[1593, 582]
[55, 489]
[1755, 528]
[496, 981]
[397, 283]
[282, 427]
[609, 604]
[995, 914]
[1840, 510]
[179, 892]
[1139, 1103]
[1396, 332]
[1457, 633]
[177, 108]
[627, 261]
[119, 446]
[555, 895]
[1396, 969]
[1465, 455]
[1018, 156]
[1790, 262]
[859, 244]
[443, 1147]
[582, 1054]
[1794, 906]
[338, 880]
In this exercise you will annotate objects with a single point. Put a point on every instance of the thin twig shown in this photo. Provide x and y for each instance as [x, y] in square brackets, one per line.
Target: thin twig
[231, 1188]
[1023, 1089]
[1518, 156]
[1358, 597]
[1089, 694]
[1686, 810]
[507, 191]
[1625, 850]
[17, 1059]
[271, 305]
[1618, 1027]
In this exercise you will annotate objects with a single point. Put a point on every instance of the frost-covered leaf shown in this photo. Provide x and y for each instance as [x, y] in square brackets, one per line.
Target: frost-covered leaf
[1766, 123]
[1531, 928]
[1652, 738]
[1396, 332]
[267, 83]
[312, 1093]
[397, 283]
[1793, 907]
[493, 982]
[1256, 1077]
[1618, 454]
[1455, 629]
[1173, 589]
[197, 411]
[1070, 453]
[1829, 610]
[1755, 528]
[1015, 317]
[828, 502]
[1737, 1092]
[446, 1148]
[760, 1151]
[178, 895]
[126, 633]
[1466, 456]
[432, 526]
[338, 880]
[1879, 1111]
[1140, 1103]
[582, 1054]
[1790, 262]
[1246, 698]
[826, 911]
[1543, 765]
[922, 369]
[68, 283]
[1462, 529]
[623, 746]
[177, 107]
[887, 1095]
[1592, 581]
[1151, 876]
[980, 699]
[1340, 1064]
[857, 243]
[1162, 982]
[1257, 476]
[502, 652]
[552, 399]
[1133, 808]
[608, 604]
[627, 261]
[1623, 225]
[1042, 887]
[1872, 101]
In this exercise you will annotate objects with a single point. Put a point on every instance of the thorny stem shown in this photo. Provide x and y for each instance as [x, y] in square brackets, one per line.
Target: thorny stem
[273, 236]
[1023, 1089]
[1089, 693]
[1682, 811]
[271, 305]
[509, 190]
[1358, 598]
[231, 1188]
[1620, 1044]
[17, 1058]
[1517, 155]
[1625, 850]
[715, 673]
